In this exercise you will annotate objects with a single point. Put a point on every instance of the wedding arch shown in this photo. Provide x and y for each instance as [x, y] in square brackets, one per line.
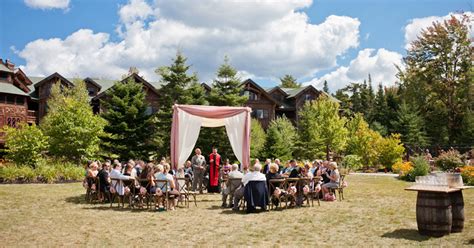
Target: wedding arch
[187, 123]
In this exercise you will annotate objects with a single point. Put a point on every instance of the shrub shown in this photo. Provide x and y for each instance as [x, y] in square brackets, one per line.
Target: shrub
[47, 171]
[402, 168]
[25, 144]
[390, 150]
[352, 162]
[467, 173]
[421, 167]
[449, 160]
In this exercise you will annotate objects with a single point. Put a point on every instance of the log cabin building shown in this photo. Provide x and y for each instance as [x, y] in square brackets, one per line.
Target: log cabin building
[23, 99]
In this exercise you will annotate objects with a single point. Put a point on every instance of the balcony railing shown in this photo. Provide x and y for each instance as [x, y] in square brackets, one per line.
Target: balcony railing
[32, 116]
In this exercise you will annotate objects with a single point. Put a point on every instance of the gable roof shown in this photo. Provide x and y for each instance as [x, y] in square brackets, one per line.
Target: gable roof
[276, 88]
[46, 79]
[264, 92]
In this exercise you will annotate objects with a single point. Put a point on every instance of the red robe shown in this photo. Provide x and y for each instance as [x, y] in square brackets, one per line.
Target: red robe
[214, 169]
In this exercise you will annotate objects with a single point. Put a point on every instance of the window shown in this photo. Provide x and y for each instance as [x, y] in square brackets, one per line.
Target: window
[91, 91]
[260, 114]
[20, 100]
[10, 99]
[13, 121]
[2, 98]
[252, 95]
[149, 110]
[308, 97]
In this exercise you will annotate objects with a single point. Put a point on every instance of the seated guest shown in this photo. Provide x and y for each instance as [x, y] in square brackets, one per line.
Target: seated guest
[118, 184]
[146, 179]
[245, 169]
[104, 180]
[266, 167]
[162, 174]
[322, 172]
[333, 176]
[92, 171]
[254, 175]
[293, 171]
[229, 189]
[280, 166]
[314, 167]
[128, 169]
[188, 170]
[137, 168]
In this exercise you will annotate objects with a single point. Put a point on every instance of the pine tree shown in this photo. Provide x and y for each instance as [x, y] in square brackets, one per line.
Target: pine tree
[281, 138]
[410, 125]
[380, 109]
[227, 88]
[345, 104]
[130, 129]
[288, 81]
[177, 87]
[325, 86]
[72, 129]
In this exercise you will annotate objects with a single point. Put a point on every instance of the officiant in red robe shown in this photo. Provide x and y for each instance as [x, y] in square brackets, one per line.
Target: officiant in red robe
[214, 163]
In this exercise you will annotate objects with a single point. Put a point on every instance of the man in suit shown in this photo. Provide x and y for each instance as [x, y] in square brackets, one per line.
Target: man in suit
[199, 168]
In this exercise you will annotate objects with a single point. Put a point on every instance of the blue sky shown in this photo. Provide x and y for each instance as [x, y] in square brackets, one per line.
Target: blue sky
[338, 40]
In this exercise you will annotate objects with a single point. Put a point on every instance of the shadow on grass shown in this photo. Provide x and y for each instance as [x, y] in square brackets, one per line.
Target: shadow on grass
[80, 199]
[408, 234]
[470, 242]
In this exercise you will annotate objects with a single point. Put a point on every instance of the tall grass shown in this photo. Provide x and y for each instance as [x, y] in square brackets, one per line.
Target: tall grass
[47, 171]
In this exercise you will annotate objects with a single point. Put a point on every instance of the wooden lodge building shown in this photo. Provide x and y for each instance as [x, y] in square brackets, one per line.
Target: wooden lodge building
[23, 98]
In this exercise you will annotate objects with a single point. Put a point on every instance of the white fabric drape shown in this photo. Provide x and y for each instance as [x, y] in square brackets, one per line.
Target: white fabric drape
[234, 127]
[190, 126]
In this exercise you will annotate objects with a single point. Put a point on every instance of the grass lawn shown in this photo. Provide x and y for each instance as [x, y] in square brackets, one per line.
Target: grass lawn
[377, 212]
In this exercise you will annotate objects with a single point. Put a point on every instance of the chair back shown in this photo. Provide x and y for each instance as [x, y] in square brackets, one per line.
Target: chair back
[234, 183]
[182, 184]
[341, 180]
[274, 183]
[162, 184]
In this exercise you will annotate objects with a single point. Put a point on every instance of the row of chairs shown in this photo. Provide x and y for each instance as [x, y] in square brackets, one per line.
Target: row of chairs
[137, 196]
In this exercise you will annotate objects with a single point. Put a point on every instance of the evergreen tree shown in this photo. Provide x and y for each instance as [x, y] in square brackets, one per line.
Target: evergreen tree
[288, 81]
[379, 111]
[409, 124]
[177, 87]
[325, 87]
[345, 104]
[72, 129]
[227, 88]
[281, 138]
[130, 129]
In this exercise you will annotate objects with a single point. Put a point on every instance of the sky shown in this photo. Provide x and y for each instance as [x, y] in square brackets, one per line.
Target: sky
[340, 41]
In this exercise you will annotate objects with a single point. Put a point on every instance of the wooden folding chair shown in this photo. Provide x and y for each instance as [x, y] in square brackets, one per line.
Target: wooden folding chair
[115, 184]
[302, 182]
[131, 196]
[147, 197]
[234, 184]
[92, 192]
[183, 184]
[162, 185]
[273, 184]
[340, 188]
[312, 190]
[290, 182]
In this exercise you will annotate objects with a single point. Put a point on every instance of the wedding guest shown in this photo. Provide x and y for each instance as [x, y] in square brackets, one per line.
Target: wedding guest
[173, 193]
[333, 177]
[254, 175]
[118, 184]
[199, 168]
[234, 174]
[266, 167]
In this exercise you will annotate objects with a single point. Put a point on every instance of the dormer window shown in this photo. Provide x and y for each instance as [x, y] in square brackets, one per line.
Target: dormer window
[308, 97]
[252, 95]
[91, 91]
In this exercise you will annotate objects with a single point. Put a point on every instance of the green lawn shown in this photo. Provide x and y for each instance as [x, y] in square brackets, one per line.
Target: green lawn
[376, 212]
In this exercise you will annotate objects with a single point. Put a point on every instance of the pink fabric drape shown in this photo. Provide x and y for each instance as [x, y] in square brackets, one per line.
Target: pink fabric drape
[212, 112]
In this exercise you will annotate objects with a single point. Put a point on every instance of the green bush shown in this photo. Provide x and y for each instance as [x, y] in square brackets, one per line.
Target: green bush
[449, 160]
[25, 144]
[390, 150]
[421, 167]
[47, 171]
[352, 162]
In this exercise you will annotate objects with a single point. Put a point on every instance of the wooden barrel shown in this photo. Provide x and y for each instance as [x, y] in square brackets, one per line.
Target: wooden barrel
[457, 209]
[433, 213]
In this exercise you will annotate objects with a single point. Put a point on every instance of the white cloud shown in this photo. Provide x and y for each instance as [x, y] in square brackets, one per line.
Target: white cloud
[266, 39]
[414, 27]
[47, 4]
[380, 65]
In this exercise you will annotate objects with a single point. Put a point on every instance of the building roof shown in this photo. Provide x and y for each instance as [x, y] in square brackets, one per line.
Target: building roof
[292, 92]
[9, 88]
[5, 68]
